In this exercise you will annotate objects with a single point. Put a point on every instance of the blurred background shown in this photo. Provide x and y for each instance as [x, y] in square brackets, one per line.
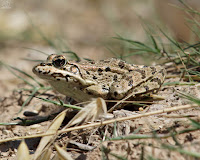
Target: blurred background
[85, 27]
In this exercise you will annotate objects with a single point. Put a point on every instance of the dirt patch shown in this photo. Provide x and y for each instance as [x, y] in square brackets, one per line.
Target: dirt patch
[131, 149]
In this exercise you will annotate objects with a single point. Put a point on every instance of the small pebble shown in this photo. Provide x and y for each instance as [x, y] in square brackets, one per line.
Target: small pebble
[141, 109]
[35, 126]
[30, 113]
[6, 132]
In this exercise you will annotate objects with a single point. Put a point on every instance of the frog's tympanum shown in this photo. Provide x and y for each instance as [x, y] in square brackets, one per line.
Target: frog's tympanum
[109, 79]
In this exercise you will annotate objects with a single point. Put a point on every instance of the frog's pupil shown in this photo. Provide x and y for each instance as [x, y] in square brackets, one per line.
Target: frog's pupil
[59, 62]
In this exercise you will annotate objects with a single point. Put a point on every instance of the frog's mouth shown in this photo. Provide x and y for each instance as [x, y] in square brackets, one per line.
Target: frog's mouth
[54, 74]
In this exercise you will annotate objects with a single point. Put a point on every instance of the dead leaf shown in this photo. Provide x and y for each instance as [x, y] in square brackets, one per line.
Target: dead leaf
[91, 112]
[45, 155]
[52, 129]
[62, 153]
[23, 151]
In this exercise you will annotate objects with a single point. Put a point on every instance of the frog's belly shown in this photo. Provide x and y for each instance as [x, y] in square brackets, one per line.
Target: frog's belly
[73, 90]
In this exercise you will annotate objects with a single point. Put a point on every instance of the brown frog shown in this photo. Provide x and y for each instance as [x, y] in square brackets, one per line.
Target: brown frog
[110, 79]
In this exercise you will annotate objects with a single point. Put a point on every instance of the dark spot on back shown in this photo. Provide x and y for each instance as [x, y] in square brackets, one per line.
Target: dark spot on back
[142, 72]
[94, 77]
[39, 71]
[88, 72]
[107, 69]
[162, 72]
[104, 87]
[130, 70]
[121, 64]
[153, 70]
[156, 80]
[100, 70]
[130, 83]
[58, 79]
[115, 78]
[146, 88]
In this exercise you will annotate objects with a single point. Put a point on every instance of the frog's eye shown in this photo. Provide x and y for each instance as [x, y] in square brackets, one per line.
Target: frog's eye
[59, 61]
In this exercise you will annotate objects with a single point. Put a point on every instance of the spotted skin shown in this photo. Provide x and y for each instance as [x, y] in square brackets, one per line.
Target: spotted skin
[109, 79]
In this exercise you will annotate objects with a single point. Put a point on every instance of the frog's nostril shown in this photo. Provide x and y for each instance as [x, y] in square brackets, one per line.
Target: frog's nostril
[49, 64]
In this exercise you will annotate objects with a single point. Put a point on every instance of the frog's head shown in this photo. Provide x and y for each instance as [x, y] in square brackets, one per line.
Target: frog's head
[57, 68]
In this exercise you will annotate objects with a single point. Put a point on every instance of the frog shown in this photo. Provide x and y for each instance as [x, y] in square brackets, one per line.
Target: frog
[110, 79]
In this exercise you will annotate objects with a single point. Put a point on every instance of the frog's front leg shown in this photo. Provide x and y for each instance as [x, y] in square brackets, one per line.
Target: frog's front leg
[97, 91]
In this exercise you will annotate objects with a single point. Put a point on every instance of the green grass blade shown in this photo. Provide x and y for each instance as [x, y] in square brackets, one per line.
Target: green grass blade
[8, 124]
[182, 151]
[36, 50]
[9, 68]
[27, 101]
[32, 60]
[194, 72]
[60, 103]
[49, 42]
[195, 123]
[26, 74]
[113, 52]
[154, 43]
[189, 8]
[189, 97]
[77, 58]
[171, 40]
[136, 43]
